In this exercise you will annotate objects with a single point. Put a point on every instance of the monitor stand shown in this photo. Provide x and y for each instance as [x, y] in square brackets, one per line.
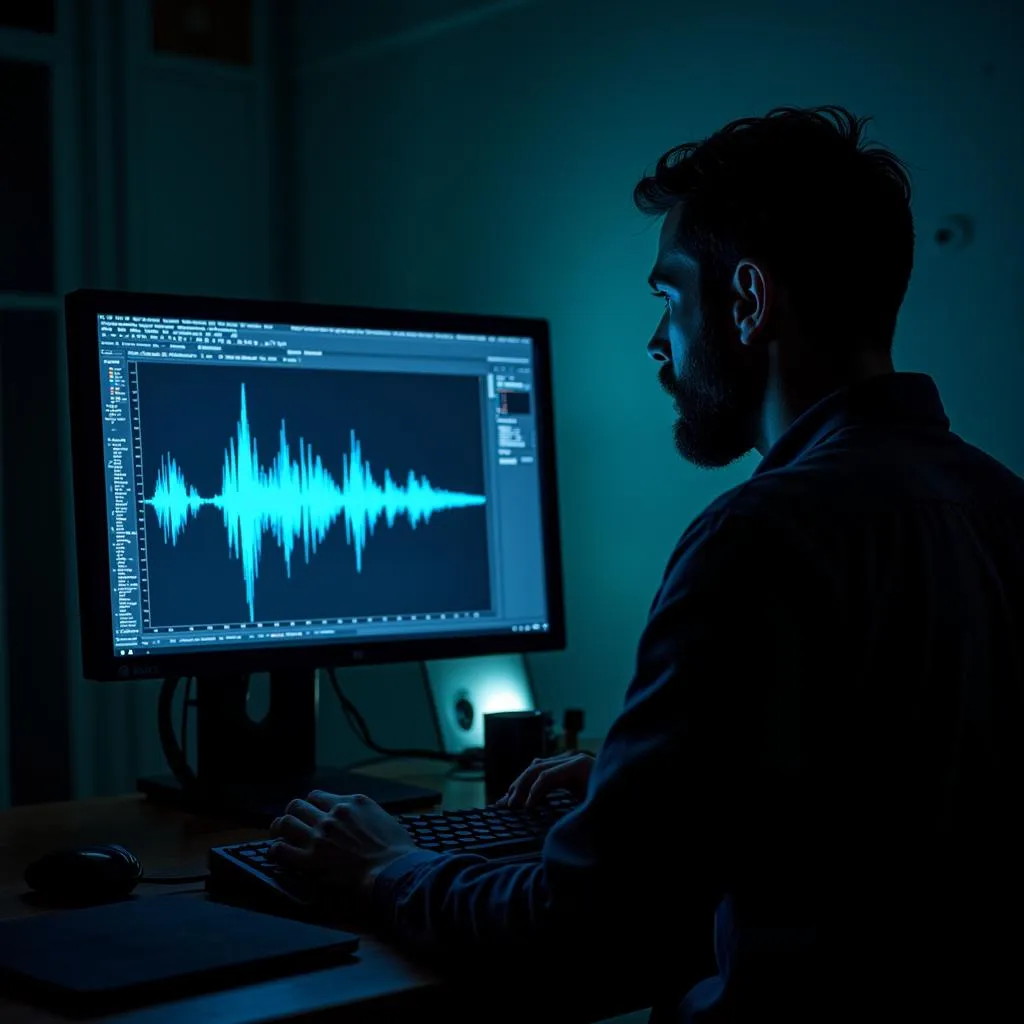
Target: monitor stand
[248, 770]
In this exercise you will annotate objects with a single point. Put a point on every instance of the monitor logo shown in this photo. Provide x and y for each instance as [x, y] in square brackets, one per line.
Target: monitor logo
[139, 670]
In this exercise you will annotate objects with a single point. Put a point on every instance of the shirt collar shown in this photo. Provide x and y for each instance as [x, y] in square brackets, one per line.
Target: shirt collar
[905, 398]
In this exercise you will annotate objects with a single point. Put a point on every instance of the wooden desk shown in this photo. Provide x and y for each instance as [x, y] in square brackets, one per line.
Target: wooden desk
[383, 985]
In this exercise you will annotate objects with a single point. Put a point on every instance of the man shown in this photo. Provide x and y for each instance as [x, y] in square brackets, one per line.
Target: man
[817, 769]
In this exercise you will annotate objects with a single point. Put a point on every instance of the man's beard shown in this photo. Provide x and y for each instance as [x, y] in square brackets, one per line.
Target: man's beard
[718, 397]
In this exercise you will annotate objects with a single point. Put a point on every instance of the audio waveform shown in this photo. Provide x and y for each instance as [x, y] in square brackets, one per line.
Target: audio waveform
[294, 500]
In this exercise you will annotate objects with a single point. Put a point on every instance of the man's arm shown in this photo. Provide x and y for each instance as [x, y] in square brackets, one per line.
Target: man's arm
[670, 796]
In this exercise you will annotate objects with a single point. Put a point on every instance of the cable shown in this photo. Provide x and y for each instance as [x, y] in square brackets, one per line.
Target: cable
[174, 879]
[186, 703]
[362, 731]
[173, 752]
[176, 753]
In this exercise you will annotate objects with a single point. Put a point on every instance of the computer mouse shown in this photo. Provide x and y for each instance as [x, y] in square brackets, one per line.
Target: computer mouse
[88, 874]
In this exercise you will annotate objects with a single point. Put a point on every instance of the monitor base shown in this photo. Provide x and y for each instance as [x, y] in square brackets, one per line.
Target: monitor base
[259, 803]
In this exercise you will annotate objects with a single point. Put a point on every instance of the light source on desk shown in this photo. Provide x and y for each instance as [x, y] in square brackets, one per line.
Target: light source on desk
[463, 690]
[502, 695]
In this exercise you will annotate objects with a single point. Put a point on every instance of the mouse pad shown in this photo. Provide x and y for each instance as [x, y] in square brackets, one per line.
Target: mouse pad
[150, 948]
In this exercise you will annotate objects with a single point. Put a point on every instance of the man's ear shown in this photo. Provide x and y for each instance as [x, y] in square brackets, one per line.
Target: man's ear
[754, 299]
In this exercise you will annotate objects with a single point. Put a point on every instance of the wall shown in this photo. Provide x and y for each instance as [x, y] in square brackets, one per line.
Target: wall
[169, 173]
[40, 188]
[483, 160]
[5, 769]
[193, 153]
[166, 171]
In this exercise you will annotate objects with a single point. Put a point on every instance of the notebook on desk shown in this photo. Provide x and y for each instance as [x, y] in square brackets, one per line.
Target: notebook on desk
[147, 949]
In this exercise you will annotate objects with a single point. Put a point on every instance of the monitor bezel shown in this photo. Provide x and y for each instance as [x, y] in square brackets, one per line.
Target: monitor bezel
[93, 551]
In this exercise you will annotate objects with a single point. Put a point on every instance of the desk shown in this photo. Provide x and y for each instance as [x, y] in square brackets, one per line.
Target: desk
[384, 985]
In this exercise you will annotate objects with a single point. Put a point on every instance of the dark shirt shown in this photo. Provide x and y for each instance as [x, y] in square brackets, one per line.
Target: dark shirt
[817, 770]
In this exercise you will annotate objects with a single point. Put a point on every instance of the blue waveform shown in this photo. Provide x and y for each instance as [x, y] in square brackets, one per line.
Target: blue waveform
[294, 499]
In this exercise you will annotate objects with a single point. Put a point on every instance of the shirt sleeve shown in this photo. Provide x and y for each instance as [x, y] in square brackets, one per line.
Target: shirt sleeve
[683, 780]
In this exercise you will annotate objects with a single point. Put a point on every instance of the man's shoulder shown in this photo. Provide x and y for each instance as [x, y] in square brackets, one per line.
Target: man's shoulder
[761, 526]
[765, 500]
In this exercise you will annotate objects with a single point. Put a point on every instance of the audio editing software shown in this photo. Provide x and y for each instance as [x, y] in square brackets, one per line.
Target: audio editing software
[280, 484]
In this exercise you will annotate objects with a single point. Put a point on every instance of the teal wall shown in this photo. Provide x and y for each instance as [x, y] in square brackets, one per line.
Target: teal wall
[5, 782]
[485, 162]
[192, 149]
[166, 179]
[464, 155]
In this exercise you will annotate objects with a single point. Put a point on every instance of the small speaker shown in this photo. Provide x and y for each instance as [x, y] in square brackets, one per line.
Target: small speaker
[463, 690]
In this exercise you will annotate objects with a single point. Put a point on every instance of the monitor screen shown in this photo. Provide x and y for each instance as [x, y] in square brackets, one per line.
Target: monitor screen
[277, 479]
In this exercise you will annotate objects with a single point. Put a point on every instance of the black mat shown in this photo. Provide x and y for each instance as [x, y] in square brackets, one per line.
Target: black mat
[148, 949]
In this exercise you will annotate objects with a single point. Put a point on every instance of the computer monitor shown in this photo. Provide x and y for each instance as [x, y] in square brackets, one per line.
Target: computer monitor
[265, 486]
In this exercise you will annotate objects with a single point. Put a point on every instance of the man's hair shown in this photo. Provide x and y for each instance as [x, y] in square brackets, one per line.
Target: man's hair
[799, 192]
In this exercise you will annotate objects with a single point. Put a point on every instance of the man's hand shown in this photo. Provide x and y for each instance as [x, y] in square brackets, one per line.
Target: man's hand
[343, 842]
[569, 771]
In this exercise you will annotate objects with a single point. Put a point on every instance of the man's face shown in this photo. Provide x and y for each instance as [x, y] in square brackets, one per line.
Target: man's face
[717, 381]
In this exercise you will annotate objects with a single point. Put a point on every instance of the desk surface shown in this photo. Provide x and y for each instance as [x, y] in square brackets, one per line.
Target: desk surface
[382, 985]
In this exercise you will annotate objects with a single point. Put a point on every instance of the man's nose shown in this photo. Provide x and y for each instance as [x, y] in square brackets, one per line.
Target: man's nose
[658, 349]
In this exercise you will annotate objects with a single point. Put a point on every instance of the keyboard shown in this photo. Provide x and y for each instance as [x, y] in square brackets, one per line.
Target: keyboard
[496, 833]
[244, 872]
